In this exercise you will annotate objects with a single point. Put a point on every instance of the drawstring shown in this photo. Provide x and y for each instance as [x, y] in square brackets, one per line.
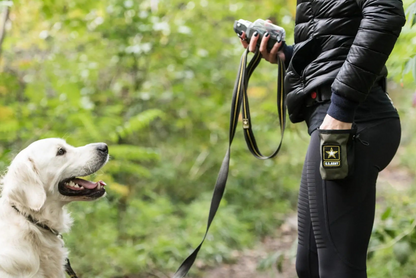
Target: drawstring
[365, 143]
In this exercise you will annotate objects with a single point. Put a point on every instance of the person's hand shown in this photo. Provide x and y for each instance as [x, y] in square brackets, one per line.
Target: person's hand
[268, 56]
[332, 123]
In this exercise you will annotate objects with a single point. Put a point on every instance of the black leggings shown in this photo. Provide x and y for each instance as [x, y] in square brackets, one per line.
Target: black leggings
[335, 218]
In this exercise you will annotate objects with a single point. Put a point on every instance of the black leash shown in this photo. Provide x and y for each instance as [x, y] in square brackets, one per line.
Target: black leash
[29, 217]
[240, 100]
[69, 269]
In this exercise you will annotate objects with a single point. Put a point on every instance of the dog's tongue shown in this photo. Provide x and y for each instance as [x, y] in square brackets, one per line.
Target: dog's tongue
[87, 184]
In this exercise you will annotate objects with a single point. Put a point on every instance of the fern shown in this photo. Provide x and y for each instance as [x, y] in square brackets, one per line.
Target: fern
[138, 122]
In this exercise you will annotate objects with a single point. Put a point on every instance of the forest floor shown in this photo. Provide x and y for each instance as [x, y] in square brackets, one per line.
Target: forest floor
[247, 262]
[277, 250]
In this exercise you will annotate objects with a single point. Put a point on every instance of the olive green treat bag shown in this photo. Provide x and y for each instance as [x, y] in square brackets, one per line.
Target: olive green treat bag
[337, 153]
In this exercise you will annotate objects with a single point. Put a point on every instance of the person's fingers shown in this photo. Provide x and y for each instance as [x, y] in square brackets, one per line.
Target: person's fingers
[263, 46]
[275, 48]
[253, 42]
[243, 40]
[273, 52]
[332, 123]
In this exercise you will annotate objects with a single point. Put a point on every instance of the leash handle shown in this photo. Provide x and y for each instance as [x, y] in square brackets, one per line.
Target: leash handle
[239, 100]
[281, 107]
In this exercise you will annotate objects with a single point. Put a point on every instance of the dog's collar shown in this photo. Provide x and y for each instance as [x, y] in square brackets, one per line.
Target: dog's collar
[37, 223]
[29, 217]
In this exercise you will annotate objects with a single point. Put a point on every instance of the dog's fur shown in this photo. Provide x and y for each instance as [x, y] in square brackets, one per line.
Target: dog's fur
[36, 183]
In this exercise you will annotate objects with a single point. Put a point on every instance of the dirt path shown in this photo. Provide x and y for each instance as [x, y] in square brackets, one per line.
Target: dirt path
[276, 252]
[246, 266]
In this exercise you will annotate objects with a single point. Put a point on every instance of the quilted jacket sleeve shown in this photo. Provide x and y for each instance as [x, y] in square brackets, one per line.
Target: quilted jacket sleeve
[379, 29]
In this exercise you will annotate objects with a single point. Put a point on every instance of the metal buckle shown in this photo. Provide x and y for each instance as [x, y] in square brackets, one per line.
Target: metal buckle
[246, 124]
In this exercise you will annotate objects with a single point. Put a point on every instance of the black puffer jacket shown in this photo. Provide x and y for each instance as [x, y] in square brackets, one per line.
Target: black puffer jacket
[343, 44]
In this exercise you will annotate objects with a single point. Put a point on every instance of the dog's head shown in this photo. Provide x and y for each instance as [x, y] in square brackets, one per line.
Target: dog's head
[50, 168]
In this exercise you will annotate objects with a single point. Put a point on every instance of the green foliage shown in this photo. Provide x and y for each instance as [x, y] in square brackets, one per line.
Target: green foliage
[150, 234]
[402, 62]
[275, 261]
[410, 67]
[411, 14]
[143, 77]
[153, 79]
[394, 238]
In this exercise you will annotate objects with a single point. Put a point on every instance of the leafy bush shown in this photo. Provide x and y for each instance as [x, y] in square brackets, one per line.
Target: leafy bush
[153, 79]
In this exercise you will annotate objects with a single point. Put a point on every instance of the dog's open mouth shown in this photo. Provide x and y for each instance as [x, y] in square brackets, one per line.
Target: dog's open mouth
[79, 187]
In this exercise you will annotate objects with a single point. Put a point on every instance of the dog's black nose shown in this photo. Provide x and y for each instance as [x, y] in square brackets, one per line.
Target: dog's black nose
[102, 147]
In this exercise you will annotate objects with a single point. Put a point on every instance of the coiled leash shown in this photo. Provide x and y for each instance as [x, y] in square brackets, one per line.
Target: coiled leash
[240, 100]
[68, 267]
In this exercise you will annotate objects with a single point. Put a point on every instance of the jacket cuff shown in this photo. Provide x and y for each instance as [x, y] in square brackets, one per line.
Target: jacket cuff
[341, 108]
[288, 51]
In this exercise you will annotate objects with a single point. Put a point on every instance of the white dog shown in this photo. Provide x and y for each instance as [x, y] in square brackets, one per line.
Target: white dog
[39, 182]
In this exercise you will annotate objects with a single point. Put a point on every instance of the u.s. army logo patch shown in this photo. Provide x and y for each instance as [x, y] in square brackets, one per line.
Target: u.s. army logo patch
[331, 156]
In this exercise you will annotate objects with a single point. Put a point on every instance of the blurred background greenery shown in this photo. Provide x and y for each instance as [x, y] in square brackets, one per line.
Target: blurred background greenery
[153, 79]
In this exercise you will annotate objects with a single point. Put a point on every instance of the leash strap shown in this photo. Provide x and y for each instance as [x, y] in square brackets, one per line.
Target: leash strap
[69, 269]
[281, 108]
[239, 100]
[29, 217]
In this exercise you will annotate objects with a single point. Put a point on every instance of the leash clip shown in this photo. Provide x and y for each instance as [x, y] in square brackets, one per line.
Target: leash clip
[246, 124]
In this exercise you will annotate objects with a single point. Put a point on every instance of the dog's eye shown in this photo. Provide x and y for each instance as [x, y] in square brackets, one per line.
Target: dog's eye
[61, 151]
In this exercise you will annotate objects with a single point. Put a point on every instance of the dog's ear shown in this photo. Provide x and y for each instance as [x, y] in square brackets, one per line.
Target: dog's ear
[22, 185]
